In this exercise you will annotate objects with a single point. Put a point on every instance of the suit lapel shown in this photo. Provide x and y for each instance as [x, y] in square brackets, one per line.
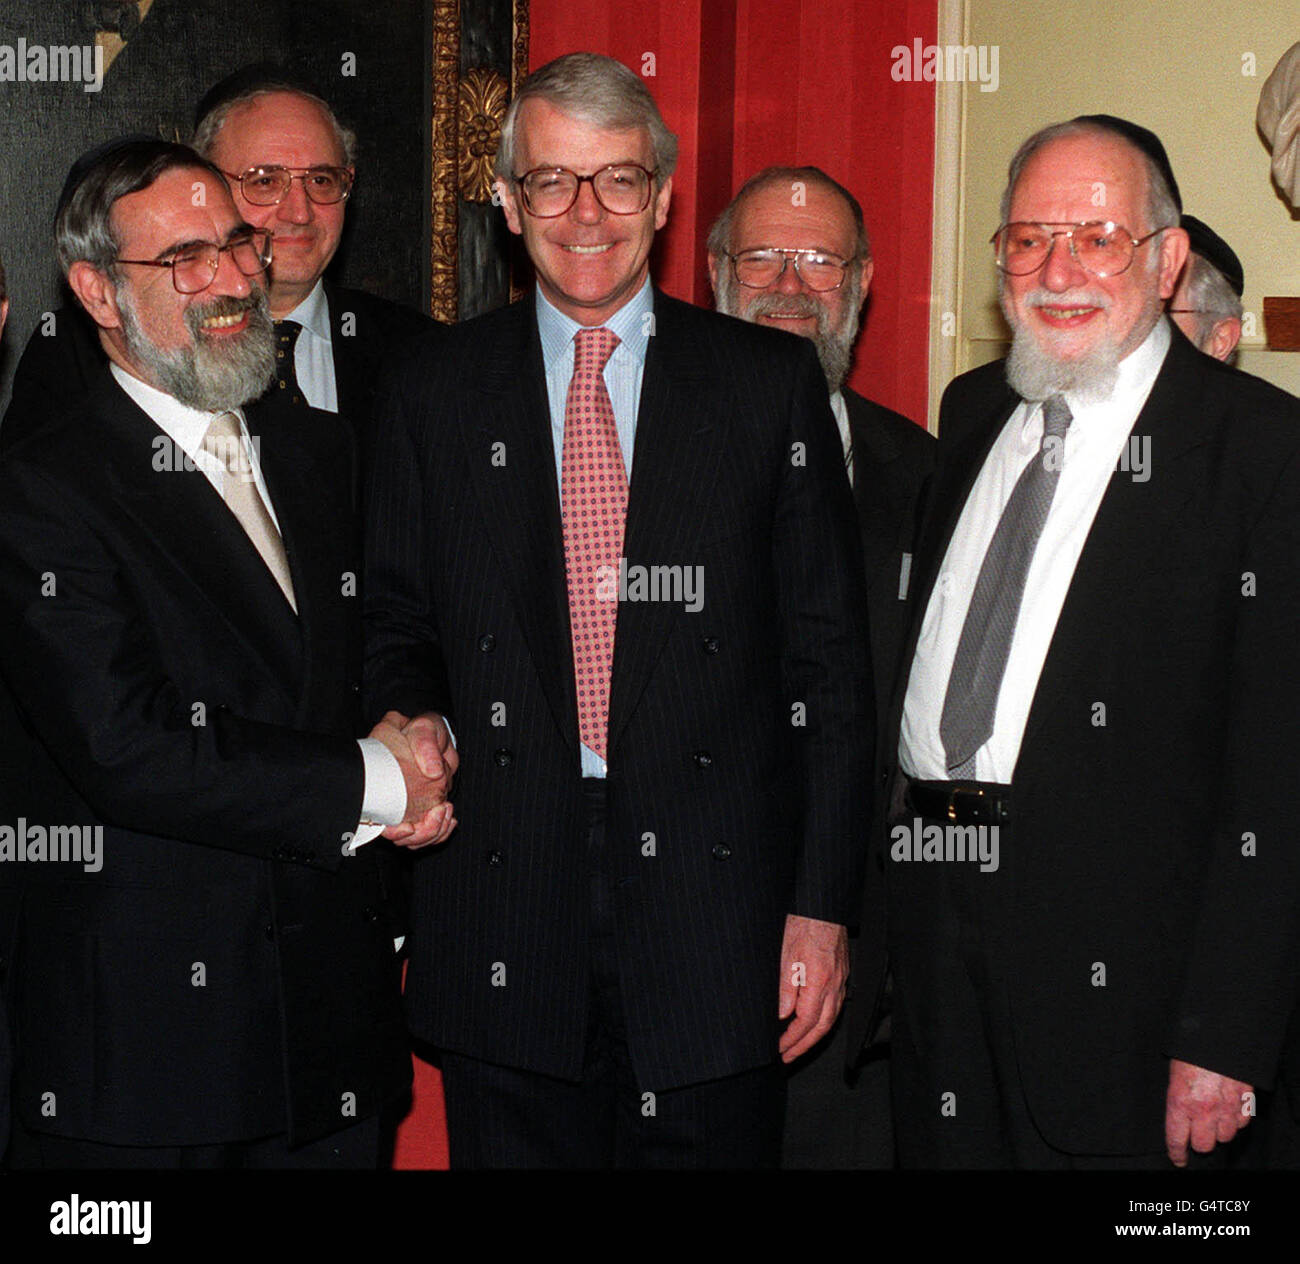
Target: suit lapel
[521, 501]
[676, 462]
[185, 518]
[1130, 517]
[349, 368]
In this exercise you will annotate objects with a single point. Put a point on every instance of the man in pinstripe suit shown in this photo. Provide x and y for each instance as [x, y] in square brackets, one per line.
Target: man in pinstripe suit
[663, 798]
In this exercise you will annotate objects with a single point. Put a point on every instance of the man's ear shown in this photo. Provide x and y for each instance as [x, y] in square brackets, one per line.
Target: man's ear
[661, 200]
[1223, 338]
[4, 313]
[503, 193]
[96, 293]
[1174, 244]
[713, 276]
[868, 271]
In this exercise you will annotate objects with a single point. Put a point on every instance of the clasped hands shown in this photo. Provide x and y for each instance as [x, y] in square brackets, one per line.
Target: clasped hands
[423, 748]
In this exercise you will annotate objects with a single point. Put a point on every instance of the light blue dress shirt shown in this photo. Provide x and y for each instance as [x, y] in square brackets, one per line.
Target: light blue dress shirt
[633, 324]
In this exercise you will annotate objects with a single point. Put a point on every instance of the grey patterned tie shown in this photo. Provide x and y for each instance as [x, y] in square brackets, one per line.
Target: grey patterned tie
[971, 702]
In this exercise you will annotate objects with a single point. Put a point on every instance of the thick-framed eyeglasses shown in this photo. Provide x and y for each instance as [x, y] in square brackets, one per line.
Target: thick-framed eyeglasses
[194, 267]
[268, 186]
[622, 189]
[766, 265]
[1100, 247]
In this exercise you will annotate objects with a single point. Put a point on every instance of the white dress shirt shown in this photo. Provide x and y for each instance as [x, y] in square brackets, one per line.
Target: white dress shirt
[1094, 444]
[313, 353]
[384, 798]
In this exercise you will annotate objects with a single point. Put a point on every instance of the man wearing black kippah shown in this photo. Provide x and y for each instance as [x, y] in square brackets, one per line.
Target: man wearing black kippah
[1091, 887]
[1206, 306]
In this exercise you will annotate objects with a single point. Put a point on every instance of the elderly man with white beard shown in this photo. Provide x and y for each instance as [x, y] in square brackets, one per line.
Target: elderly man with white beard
[792, 251]
[1098, 672]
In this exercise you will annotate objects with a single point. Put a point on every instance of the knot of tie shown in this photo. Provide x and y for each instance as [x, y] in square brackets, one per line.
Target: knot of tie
[1056, 416]
[592, 349]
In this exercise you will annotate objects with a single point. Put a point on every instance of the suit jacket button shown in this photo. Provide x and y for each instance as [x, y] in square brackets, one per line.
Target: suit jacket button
[487, 643]
[710, 644]
[370, 913]
[703, 759]
[721, 851]
[494, 857]
[270, 932]
[502, 757]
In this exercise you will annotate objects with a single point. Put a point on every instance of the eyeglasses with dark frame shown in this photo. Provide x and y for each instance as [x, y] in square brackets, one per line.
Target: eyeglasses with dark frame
[1100, 247]
[622, 189]
[270, 185]
[763, 266]
[194, 267]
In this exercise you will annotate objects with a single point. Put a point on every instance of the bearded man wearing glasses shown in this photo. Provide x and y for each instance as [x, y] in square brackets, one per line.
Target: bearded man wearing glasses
[205, 973]
[610, 538]
[1098, 972]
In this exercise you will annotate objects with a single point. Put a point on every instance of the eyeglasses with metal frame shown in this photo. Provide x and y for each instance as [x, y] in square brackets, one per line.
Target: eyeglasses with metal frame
[270, 185]
[763, 266]
[1100, 247]
[622, 189]
[194, 266]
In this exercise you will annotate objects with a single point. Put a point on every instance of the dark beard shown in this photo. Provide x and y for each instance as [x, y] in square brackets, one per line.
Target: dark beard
[210, 375]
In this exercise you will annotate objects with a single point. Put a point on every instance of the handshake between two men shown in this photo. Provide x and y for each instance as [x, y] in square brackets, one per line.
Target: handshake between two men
[427, 757]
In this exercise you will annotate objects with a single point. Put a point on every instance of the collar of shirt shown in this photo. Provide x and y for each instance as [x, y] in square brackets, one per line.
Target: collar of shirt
[313, 314]
[633, 323]
[185, 427]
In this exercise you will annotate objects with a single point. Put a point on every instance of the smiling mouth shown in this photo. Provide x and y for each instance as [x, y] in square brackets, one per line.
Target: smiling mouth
[235, 320]
[590, 250]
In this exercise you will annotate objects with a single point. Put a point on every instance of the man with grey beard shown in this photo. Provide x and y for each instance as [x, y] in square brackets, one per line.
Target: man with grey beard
[792, 251]
[1107, 601]
[180, 627]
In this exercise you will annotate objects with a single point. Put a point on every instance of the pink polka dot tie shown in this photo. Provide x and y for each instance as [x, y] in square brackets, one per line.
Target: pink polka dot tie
[593, 494]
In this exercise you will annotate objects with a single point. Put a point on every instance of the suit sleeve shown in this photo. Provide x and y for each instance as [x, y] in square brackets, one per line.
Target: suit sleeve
[822, 623]
[1243, 968]
[404, 667]
[79, 653]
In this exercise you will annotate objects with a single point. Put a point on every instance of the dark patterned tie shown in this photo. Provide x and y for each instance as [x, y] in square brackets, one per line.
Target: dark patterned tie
[971, 703]
[286, 373]
[593, 507]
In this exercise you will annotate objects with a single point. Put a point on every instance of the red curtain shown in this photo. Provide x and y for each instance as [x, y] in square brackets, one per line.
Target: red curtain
[746, 84]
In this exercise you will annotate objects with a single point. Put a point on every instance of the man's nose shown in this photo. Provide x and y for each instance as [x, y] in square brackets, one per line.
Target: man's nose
[586, 208]
[230, 281]
[1061, 270]
[296, 207]
[789, 282]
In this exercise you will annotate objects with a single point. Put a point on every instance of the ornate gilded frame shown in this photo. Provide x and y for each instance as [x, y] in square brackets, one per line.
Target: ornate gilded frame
[467, 114]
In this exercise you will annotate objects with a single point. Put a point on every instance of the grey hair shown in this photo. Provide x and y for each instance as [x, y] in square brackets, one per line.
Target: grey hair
[1161, 209]
[1210, 296]
[719, 242]
[596, 90]
[210, 125]
[83, 229]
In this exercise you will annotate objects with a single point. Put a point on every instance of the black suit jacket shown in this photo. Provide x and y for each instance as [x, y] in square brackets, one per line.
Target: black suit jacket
[227, 973]
[1157, 844]
[739, 748]
[893, 459]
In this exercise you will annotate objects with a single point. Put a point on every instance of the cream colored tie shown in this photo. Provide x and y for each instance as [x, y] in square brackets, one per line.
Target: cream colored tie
[224, 441]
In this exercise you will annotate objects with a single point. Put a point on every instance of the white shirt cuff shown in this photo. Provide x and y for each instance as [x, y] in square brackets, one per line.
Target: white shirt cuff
[383, 801]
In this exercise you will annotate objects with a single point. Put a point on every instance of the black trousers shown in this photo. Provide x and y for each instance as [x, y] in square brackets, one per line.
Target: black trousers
[503, 1117]
[959, 1102]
